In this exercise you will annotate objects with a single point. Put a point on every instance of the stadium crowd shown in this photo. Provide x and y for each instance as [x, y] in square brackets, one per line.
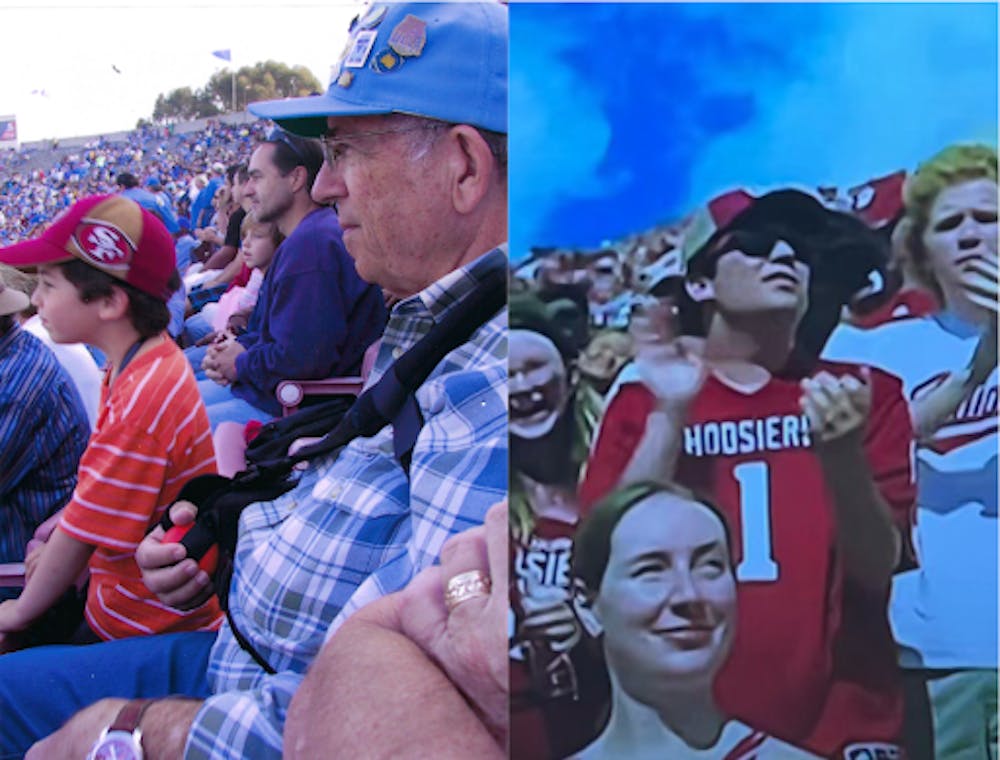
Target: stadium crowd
[817, 369]
[752, 452]
[96, 241]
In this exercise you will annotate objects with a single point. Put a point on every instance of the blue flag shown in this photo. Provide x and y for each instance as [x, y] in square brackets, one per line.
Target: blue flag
[225, 55]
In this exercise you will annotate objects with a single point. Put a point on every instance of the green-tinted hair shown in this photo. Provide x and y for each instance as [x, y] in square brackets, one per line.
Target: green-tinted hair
[952, 166]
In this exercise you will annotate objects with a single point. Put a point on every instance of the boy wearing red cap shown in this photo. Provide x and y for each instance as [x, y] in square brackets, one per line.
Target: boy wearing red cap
[106, 270]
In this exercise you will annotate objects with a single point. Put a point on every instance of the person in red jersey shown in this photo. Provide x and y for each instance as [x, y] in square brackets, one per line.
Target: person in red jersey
[558, 685]
[812, 469]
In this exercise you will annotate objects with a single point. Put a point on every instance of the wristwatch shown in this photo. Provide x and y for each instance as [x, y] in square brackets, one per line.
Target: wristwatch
[122, 740]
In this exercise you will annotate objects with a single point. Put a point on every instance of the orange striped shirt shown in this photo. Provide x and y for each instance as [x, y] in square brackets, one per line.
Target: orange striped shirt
[152, 436]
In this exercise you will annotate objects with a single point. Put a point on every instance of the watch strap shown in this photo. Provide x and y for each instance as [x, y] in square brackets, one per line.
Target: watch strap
[129, 716]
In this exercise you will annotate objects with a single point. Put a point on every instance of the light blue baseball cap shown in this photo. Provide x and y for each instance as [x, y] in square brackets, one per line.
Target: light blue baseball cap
[445, 61]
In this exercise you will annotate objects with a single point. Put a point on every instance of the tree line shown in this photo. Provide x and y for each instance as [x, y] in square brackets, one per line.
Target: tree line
[261, 81]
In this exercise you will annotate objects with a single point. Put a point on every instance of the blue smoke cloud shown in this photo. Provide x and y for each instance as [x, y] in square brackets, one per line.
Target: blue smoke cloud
[625, 115]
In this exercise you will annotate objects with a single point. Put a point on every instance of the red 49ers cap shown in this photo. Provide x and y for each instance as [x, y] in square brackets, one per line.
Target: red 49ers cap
[110, 233]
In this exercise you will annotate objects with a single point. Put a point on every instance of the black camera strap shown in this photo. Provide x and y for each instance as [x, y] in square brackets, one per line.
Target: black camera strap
[391, 400]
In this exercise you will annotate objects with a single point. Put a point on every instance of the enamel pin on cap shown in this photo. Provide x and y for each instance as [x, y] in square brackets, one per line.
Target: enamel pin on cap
[409, 37]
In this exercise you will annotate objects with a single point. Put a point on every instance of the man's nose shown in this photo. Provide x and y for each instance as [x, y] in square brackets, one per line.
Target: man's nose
[782, 250]
[329, 185]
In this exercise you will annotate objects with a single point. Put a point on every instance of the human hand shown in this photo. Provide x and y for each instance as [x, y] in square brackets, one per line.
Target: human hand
[210, 362]
[469, 642]
[670, 365]
[550, 622]
[166, 569]
[984, 359]
[979, 281]
[239, 321]
[78, 735]
[207, 340]
[224, 356]
[837, 407]
[11, 619]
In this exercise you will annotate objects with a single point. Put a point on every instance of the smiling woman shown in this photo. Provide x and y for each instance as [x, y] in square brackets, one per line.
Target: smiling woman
[657, 565]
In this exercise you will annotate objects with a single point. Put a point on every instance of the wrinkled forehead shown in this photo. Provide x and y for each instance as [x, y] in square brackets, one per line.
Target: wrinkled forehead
[339, 126]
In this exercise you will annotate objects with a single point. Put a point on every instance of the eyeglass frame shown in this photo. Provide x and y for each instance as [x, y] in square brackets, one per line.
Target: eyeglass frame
[328, 142]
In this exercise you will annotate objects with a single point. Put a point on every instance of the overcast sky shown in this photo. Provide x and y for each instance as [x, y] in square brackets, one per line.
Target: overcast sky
[58, 58]
[624, 116]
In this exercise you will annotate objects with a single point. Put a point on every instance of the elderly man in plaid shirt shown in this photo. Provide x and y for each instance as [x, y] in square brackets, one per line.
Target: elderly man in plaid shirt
[414, 130]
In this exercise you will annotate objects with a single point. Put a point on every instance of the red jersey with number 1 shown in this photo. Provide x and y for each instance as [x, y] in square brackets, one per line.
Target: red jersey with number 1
[813, 661]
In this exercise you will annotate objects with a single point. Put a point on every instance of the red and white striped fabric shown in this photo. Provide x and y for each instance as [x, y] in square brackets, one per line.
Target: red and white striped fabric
[152, 436]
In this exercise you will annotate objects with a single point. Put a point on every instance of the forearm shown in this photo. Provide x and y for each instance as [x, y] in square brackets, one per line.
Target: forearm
[655, 458]
[397, 699]
[165, 727]
[229, 270]
[63, 559]
[867, 539]
[931, 411]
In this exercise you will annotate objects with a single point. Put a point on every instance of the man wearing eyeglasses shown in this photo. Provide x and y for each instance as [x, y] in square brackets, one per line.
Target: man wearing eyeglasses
[314, 316]
[812, 470]
[415, 125]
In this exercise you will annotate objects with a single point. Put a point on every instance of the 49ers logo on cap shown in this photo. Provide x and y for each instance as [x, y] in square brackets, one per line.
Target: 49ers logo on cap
[103, 244]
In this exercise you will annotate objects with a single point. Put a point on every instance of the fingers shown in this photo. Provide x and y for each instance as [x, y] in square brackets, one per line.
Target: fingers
[497, 532]
[167, 571]
[652, 320]
[463, 553]
[182, 586]
[554, 624]
[183, 512]
[979, 280]
[836, 406]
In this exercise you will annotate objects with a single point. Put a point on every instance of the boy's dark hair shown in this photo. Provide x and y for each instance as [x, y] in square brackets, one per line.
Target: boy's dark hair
[6, 323]
[291, 151]
[126, 180]
[149, 315]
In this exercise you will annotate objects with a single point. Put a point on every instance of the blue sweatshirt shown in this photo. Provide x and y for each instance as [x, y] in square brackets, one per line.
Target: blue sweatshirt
[314, 316]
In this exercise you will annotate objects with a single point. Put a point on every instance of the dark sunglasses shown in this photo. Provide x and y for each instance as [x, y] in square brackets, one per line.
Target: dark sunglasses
[755, 244]
[278, 135]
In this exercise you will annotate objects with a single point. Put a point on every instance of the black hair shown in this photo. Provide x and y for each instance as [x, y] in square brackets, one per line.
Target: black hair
[6, 323]
[592, 542]
[232, 170]
[126, 180]
[291, 151]
[148, 314]
[528, 312]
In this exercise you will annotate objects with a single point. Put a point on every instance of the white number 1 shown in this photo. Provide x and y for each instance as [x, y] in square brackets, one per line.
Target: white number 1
[755, 521]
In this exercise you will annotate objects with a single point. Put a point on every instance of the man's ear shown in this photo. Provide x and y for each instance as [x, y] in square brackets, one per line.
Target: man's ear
[474, 167]
[700, 289]
[299, 175]
[113, 306]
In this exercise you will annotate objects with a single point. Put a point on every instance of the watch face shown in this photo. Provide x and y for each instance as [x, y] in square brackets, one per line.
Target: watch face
[117, 745]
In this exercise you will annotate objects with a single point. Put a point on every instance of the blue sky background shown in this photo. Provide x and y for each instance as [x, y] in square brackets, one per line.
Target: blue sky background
[625, 115]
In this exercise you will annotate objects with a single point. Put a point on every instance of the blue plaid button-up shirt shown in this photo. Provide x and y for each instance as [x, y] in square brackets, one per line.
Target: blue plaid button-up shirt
[356, 527]
[43, 432]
